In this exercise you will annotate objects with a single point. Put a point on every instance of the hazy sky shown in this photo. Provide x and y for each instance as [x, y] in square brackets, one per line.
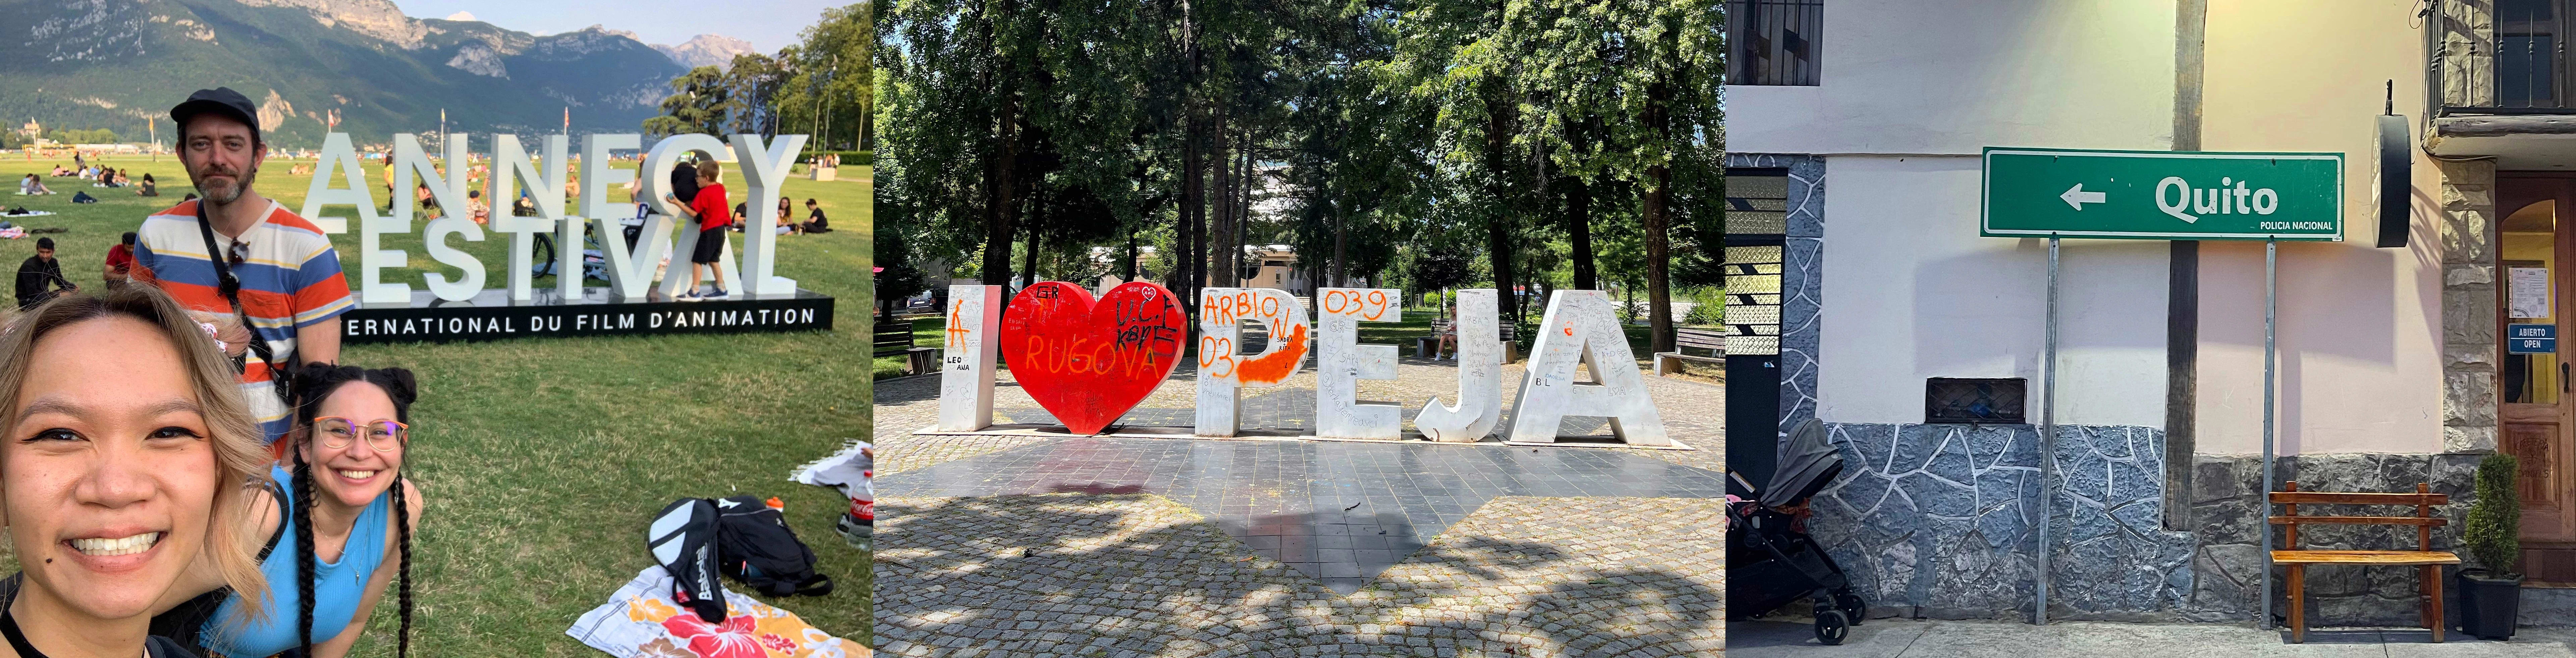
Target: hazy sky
[767, 24]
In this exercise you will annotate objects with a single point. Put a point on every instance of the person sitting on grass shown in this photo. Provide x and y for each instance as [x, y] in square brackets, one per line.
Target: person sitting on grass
[150, 187]
[40, 277]
[117, 488]
[814, 220]
[482, 211]
[786, 218]
[60, 172]
[711, 212]
[339, 524]
[120, 263]
[121, 180]
[33, 185]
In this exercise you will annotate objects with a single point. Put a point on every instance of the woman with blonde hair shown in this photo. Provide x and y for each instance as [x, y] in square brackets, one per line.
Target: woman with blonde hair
[129, 464]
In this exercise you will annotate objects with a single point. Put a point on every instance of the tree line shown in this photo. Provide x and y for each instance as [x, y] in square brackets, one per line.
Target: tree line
[1535, 143]
[821, 86]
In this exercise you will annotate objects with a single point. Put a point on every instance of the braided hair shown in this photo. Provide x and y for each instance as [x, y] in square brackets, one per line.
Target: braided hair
[314, 383]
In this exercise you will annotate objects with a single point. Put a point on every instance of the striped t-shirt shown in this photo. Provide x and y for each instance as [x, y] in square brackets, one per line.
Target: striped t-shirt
[290, 280]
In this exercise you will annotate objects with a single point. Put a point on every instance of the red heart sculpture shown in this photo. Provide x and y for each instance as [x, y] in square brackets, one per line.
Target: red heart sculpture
[1089, 362]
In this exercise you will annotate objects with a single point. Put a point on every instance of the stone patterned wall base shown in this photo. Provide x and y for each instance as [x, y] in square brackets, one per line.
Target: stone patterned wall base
[2228, 506]
[1802, 279]
[1939, 521]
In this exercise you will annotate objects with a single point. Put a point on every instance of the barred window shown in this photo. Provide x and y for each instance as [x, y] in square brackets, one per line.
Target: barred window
[1774, 41]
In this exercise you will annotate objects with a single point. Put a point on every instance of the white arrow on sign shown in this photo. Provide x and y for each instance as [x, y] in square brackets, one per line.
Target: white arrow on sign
[2077, 197]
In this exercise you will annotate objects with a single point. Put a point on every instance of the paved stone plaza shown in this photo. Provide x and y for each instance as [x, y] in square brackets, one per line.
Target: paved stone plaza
[1926, 638]
[1111, 546]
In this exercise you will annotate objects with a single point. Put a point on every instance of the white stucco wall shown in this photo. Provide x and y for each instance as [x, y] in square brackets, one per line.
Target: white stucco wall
[1911, 292]
[2360, 328]
[1906, 76]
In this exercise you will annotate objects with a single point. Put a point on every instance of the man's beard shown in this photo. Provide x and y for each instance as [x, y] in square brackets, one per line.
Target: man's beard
[226, 195]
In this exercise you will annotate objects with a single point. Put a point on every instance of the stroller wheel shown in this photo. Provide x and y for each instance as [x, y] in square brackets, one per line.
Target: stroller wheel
[1832, 627]
[1852, 607]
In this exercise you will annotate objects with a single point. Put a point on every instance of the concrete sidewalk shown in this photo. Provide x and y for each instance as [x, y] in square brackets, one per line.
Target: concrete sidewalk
[1917, 638]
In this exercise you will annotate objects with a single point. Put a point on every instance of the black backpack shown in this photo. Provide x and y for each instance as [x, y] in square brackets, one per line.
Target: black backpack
[755, 546]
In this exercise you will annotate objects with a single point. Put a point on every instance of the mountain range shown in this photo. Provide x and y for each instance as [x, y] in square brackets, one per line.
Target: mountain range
[706, 50]
[113, 63]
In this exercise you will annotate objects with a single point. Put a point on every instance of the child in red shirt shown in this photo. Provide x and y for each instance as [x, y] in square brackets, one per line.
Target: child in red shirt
[714, 214]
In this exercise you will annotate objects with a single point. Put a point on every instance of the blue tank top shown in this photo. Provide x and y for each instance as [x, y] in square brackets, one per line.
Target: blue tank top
[337, 586]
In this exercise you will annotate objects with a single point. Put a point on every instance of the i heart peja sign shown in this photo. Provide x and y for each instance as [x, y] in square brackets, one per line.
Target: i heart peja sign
[1089, 361]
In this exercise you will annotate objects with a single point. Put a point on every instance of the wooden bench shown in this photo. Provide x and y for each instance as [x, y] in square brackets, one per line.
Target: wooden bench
[1691, 339]
[894, 337]
[2428, 562]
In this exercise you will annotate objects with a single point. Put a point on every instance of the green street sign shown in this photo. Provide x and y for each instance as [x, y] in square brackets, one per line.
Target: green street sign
[2162, 195]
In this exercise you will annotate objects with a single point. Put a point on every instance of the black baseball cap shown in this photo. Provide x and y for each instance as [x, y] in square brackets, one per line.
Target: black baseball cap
[221, 100]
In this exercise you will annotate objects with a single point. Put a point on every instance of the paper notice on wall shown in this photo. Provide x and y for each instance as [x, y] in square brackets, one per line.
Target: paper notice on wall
[2530, 298]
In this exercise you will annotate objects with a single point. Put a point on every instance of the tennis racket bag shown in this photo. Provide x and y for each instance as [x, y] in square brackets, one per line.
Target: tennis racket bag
[683, 539]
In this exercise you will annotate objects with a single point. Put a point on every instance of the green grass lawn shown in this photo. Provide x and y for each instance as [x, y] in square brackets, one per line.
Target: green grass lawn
[543, 459]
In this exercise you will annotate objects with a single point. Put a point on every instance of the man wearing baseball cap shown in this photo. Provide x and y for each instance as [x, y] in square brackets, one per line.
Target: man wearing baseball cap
[237, 259]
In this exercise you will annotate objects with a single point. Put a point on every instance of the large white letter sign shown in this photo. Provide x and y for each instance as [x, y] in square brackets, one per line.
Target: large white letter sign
[630, 267]
[657, 175]
[966, 368]
[1580, 328]
[338, 157]
[766, 172]
[1480, 375]
[455, 217]
[1341, 362]
[509, 162]
[1222, 372]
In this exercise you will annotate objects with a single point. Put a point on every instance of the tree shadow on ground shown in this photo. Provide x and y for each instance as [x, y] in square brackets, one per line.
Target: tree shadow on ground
[1141, 575]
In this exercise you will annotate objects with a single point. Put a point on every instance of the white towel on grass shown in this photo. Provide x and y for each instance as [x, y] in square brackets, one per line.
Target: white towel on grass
[849, 470]
[640, 621]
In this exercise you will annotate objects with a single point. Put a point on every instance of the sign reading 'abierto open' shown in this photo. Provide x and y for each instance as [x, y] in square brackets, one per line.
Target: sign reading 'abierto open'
[2162, 195]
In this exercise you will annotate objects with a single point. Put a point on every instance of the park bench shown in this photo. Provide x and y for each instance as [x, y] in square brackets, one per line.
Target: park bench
[1691, 339]
[2428, 562]
[1446, 332]
[894, 337]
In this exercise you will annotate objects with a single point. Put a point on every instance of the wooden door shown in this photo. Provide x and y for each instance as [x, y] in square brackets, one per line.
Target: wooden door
[2537, 401]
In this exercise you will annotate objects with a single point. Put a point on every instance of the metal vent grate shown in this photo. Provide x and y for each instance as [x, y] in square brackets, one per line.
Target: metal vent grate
[1978, 401]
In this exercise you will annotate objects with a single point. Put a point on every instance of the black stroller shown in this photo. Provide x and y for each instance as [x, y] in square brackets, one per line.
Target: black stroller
[1770, 560]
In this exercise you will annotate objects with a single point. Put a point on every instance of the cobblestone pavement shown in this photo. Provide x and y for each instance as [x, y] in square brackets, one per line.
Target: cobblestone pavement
[1140, 575]
[1339, 511]
[1794, 637]
[1067, 546]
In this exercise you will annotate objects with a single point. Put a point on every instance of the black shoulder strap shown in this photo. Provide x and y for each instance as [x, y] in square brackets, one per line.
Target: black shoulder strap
[231, 289]
[284, 514]
[17, 639]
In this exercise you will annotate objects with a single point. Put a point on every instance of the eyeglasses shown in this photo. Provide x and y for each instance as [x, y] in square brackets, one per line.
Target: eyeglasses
[383, 434]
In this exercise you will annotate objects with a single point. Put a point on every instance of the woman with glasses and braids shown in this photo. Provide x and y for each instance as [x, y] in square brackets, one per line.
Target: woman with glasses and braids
[340, 544]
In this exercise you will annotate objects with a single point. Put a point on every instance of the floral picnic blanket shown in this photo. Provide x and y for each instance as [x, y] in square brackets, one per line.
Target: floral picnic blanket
[640, 621]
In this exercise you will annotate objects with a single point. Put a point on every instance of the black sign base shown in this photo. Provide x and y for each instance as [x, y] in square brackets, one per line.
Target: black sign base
[492, 315]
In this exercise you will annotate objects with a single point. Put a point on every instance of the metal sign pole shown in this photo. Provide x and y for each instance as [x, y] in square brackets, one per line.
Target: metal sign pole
[2047, 434]
[2271, 316]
